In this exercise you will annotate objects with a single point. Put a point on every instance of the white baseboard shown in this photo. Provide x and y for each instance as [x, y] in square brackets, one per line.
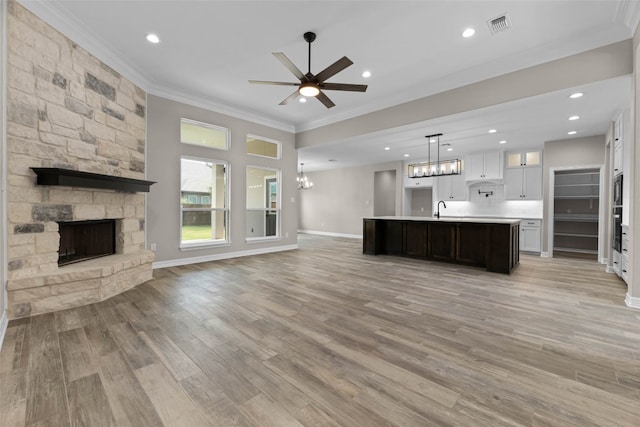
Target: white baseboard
[633, 302]
[4, 322]
[604, 261]
[226, 255]
[327, 233]
[609, 269]
[545, 254]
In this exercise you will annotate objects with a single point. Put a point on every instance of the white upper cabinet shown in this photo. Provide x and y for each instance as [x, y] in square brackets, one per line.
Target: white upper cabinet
[523, 184]
[483, 166]
[523, 159]
[523, 175]
[452, 188]
[618, 145]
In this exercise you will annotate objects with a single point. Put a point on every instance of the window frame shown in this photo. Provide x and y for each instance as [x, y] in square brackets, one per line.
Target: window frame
[265, 139]
[278, 210]
[226, 131]
[198, 244]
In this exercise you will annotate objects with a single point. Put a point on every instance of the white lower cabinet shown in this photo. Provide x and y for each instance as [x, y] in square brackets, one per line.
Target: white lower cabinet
[624, 256]
[530, 235]
[617, 262]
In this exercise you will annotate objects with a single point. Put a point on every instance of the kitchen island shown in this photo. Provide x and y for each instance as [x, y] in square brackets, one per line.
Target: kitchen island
[491, 243]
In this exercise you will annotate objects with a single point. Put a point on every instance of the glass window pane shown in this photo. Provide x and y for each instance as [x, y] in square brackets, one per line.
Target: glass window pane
[532, 158]
[262, 223]
[192, 132]
[262, 147]
[203, 225]
[203, 199]
[263, 202]
[203, 184]
[513, 160]
[262, 188]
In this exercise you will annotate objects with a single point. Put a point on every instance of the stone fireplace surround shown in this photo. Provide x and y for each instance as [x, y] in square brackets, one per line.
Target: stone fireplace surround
[45, 287]
[67, 109]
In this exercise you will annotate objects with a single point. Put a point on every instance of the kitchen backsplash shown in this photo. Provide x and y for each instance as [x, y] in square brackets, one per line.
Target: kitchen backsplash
[492, 205]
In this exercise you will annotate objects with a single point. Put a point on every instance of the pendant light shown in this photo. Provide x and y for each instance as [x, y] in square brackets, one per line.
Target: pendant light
[437, 168]
[303, 181]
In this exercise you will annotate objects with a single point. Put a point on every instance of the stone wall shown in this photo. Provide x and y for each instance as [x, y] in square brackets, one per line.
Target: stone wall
[67, 109]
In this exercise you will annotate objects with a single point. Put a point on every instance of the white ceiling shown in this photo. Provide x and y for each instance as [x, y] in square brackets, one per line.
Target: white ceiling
[209, 49]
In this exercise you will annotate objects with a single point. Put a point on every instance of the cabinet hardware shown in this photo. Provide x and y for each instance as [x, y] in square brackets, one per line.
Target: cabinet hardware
[615, 262]
[624, 271]
[624, 250]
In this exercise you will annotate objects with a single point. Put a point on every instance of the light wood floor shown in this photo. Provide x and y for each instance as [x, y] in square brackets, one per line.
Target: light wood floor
[326, 336]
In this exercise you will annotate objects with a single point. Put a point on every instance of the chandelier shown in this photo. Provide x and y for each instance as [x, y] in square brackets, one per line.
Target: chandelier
[437, 168]
[303, 181]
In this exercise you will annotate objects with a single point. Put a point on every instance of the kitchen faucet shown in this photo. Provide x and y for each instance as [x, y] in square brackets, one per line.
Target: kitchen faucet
[438, 211]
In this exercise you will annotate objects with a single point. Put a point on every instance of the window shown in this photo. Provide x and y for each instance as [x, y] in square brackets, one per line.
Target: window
[206, 135]
[263, 203]
[264, 147]
[203, 202]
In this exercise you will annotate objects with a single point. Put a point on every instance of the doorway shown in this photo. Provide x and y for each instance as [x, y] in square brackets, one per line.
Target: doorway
[384, 193]
[576, 213]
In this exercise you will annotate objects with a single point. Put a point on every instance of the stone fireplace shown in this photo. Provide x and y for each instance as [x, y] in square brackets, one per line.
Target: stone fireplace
[66, 109]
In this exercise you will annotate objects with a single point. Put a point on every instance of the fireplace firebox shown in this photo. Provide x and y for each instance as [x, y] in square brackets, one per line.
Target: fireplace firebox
[84, 240]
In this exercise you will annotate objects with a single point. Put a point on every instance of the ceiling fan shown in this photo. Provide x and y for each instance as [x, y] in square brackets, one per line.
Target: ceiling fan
[313, 85]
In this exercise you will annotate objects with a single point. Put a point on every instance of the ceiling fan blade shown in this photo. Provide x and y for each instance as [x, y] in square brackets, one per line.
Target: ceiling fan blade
[290, 98]
[263, 82]
[325, 100]
[333, 69]
[343, 86]
[290, 66]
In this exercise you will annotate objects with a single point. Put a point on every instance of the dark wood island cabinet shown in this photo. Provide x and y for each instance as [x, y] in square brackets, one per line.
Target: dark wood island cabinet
[490, 243]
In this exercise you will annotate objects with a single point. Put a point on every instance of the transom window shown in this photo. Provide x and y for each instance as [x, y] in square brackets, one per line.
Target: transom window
[204, 134]
[265, 147]
[204, 202]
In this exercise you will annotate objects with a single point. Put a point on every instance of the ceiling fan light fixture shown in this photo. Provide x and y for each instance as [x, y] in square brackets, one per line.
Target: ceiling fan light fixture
[309, 90]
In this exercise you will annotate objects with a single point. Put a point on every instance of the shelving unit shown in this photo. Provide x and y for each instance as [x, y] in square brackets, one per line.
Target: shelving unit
[576, 206]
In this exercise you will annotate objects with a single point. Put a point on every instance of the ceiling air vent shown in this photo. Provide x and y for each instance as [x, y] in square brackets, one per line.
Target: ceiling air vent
[499, 23]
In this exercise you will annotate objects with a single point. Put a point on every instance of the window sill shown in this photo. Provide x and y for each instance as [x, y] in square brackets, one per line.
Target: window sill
[203, 245]
[251, 240]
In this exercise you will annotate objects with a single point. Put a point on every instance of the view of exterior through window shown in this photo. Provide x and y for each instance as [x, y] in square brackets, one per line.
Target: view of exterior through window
[203, 201]
[263, 203]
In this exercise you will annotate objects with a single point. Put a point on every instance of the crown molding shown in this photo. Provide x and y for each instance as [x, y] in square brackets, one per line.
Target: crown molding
[53, 14]
[208, 104]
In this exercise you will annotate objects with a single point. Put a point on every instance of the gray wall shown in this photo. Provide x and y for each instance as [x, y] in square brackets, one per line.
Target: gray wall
[421, 201]
[384, 193]
[3, 182]
[163, 165]
[340, 198]
[568, 153]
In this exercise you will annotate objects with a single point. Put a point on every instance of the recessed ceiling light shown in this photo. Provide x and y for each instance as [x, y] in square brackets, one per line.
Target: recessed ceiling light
[492, 131]
[387, 148]
[574, 117]
[449, 149]
[468, 32]
[502, 142]
[576, 95]
[152, 38]
[302, 99]
[366, 74]
[573, 132]
[406, 155]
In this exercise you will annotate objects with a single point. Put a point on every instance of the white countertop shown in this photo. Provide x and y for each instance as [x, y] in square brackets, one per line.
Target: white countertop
[448, 219]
